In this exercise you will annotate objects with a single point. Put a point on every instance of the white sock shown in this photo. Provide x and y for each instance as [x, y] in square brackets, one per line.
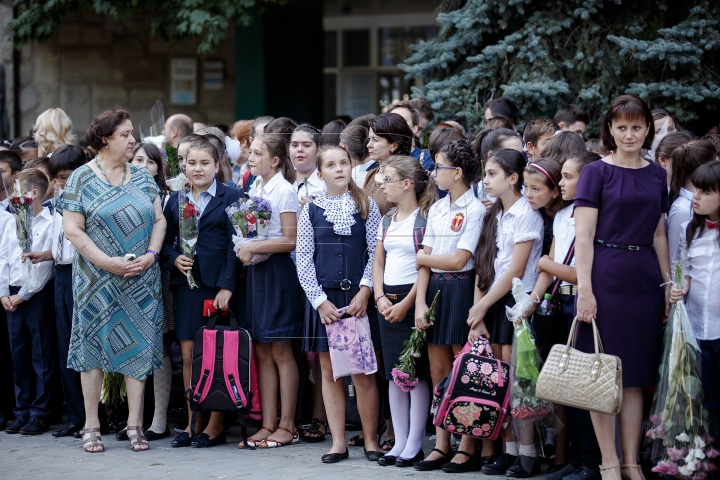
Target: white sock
[511, 448]
[161, 384]
[419, 405]
[400, 413]
[528, 450]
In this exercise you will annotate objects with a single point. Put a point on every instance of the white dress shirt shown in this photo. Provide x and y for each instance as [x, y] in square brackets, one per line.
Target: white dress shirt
[282, 197]
[63, 251]
[202, 202]
[4, 204]
[311, 187]
[703, 267]
[360, 172]
[457, 226]
[11, 266]
[519, 224]
[681, 212]
[564, 233]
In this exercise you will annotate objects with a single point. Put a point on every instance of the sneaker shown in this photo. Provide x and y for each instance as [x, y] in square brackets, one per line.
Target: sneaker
[583, 473]
[19, 423]
[35, 426]
[562, 473]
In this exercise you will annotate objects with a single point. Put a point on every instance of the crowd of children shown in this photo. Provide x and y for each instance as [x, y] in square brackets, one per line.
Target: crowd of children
[366, 222]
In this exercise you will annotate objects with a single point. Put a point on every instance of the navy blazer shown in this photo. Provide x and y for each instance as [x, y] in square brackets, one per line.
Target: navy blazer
[219, 266]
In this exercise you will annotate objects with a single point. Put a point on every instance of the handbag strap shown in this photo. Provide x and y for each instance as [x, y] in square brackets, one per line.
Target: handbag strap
[568, 258]
[571, 344]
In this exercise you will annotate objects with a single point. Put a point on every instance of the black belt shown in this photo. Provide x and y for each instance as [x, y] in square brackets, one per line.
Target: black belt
[623, 247]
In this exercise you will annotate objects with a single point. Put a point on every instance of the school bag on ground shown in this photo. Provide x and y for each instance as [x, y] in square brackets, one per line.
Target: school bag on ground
[474, 399]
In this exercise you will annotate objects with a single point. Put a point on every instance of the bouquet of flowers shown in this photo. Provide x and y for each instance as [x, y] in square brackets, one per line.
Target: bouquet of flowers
[251, 219]
[525, 362]
[22, 206]
[404, 374]
[188, 224]
[113, 390]
[678, 424]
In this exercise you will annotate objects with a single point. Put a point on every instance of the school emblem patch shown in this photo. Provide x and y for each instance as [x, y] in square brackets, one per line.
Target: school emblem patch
[457, 222]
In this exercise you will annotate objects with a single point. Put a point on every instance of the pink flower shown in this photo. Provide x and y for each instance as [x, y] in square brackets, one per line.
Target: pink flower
[464, 379]
[486, 427]
[666, 468]
[476, 432]
[450, 427]
[486, 369]
[699, 476]
[494, 377]
[675, 454]
[472, 367]
[713, 453]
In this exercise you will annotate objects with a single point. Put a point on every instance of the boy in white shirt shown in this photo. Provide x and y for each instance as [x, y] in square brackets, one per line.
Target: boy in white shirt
[30, 313]
[7, 389]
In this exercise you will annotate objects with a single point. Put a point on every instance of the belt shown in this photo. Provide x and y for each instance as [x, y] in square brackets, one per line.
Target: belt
[623, 247]
[396, 296]
[448, 276]
[568, 290]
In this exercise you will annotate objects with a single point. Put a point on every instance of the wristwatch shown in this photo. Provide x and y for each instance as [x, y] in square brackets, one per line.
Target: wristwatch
[154, 254]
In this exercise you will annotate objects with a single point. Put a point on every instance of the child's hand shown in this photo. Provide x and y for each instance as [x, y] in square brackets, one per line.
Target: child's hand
[480, 330]
[359, 303]
[396, 313]
[37, 257]
[16, 300]
[420, 317]
[7, 304]
[222, 299]
[245, 253]
[184, 264]
[676, 294]
[476, 314]
[328, 313]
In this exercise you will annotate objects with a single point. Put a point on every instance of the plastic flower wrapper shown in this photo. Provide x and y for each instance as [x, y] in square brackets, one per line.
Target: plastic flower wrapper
[677, 427]
[251, 219]
[404, 374]
[188, 224]
[21, 204]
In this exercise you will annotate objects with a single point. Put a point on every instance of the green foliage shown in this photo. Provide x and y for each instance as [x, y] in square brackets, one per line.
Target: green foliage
[546, 53]
[172, 157]
[171, 19]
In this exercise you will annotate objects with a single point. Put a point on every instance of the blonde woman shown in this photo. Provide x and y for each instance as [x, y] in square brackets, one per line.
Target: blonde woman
[53, 129]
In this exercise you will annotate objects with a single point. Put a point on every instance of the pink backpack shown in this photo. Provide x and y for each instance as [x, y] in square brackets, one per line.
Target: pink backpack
[474, 399]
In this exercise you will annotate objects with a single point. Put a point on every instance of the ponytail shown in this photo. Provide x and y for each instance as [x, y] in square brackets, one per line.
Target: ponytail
[685, 160]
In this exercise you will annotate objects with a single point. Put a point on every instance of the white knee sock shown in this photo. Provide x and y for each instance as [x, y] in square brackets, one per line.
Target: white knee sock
[419, 404]
[400, 412]
[511, 448]
[161, 383]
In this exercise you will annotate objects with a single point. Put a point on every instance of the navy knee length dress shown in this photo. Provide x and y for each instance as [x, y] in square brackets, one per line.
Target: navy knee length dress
[626, 283]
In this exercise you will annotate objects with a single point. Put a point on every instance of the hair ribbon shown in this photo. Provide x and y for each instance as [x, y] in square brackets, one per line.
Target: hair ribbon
[535, 165]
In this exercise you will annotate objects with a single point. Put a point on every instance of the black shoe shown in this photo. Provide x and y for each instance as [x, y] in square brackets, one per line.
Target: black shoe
[373, 456]
[583, 473]
[35, 426]
[181, 440]
[428, 465]
[561, 473]
[122, 435]
[67, 431]
[17, 424]
[473, 464]
[387, 460]
[335, 457]
[150, 435]
[488, 460]
[500, 466]
[409, 462]
[204, 440]
[518, 471]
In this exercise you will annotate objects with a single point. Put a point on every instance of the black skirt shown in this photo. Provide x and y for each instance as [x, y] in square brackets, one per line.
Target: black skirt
[497, 323]
[393, 335]
[457, 290]
[272, 300]
[189, 305]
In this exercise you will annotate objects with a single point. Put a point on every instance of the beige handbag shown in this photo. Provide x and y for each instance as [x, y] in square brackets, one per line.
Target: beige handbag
[589, 381]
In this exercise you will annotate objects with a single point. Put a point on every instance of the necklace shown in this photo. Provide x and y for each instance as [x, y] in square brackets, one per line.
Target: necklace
[635, 166]
[105, 174]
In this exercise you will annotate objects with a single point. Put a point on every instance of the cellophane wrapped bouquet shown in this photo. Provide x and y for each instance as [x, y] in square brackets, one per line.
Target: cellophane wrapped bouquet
[251, 219]
[404, 375]
[678, 423]
[525, 362]
[188, 228]
[21, 203]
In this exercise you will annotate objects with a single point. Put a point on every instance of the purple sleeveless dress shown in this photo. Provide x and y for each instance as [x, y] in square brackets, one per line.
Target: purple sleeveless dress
[626, 283]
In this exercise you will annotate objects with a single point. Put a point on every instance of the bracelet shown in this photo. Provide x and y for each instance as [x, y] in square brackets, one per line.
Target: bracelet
[154, 254]
[378, 298]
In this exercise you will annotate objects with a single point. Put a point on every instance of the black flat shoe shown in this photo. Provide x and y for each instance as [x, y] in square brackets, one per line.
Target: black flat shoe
[428, 465]
[517, 470]
[181, 440]
[122, 435]
[500, 466]
[409, 462]
[17, 424]
[487, 460]
[373, 456]
[67, 431]
[150, 435]
[387, 460]
[473, 464]
[335, 457]
[204, 441]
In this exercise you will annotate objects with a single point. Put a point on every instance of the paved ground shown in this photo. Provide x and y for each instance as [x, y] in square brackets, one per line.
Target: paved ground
[40, 457]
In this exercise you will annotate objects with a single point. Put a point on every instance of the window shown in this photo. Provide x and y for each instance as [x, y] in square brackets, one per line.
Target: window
[394, 43]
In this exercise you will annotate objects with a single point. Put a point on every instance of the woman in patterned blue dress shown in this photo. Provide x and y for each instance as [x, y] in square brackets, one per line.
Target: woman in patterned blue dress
[111, 209]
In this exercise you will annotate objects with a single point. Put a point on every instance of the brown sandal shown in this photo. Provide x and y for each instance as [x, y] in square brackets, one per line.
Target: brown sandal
[93, 440]
[270, 443]
[137, 439]
[253, 443]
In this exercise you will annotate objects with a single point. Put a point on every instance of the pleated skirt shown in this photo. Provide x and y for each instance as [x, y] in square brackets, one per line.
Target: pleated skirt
[189, 305]
[497, 323]
[452, 307]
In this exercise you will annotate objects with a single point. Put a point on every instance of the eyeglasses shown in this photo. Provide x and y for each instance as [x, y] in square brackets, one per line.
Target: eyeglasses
[386, 180]
[442, 167]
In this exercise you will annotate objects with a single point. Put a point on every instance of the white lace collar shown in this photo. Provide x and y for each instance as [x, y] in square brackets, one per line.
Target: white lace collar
[339, 211]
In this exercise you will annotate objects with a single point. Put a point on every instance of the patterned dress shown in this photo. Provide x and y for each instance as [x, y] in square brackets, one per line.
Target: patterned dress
[117, 323]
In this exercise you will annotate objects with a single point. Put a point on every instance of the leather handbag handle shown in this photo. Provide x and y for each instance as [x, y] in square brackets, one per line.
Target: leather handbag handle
[562, 366]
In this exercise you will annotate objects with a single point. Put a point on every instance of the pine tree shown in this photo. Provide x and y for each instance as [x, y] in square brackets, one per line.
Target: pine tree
[546, 53]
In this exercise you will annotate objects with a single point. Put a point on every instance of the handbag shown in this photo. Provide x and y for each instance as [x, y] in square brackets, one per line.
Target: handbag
[589, 381]
[351, 347]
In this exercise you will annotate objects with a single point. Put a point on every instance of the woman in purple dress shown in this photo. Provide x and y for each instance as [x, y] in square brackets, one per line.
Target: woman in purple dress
[622, 260]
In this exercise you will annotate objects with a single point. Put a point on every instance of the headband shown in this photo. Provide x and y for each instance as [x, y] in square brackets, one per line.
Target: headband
[535, 165]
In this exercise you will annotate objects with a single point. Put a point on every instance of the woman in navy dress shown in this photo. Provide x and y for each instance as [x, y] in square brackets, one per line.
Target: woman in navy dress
[622, 260]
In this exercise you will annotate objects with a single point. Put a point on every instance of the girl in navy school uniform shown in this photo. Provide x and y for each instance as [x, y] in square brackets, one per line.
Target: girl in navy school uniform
[451, 236]
[272, 297]
[701, 243]
[583, 455]
[407, 185]
[335, 250]
[214, 266]
[510, 246]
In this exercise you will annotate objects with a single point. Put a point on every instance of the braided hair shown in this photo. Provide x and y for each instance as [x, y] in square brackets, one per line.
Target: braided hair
[462, 155]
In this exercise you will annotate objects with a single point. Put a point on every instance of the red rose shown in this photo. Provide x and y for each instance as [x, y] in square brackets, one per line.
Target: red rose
[190, 211]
